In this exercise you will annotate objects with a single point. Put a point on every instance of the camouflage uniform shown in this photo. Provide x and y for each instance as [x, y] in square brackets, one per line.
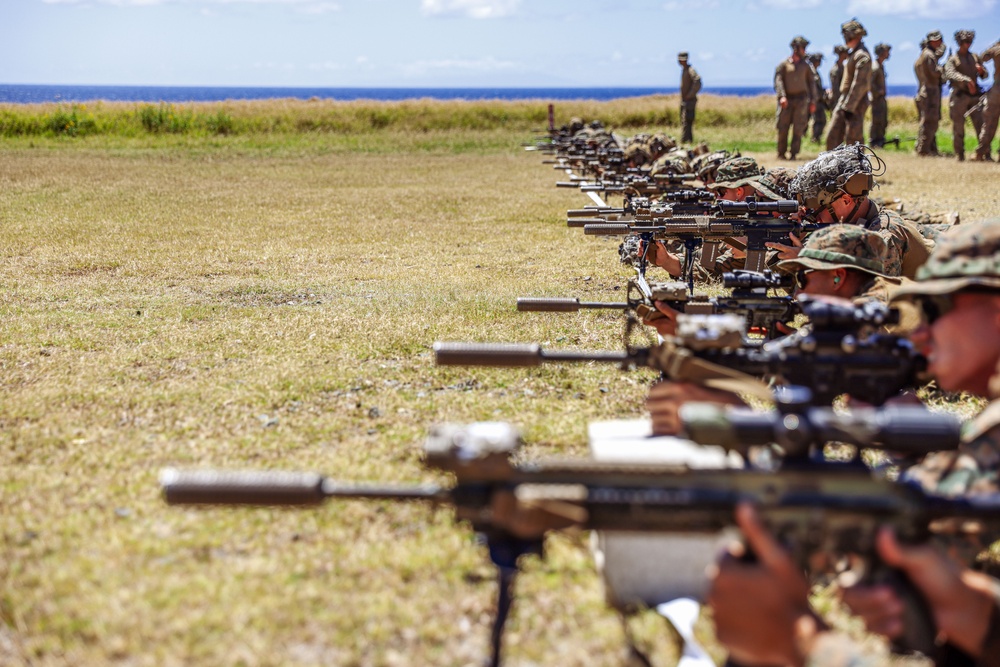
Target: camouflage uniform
[836, 75]
[794, 83]
[847, 170]
[822, 106]
[928, 99]
[848, 121]
[991, 113]
[880, 110]
[959, 71]
[690, 85]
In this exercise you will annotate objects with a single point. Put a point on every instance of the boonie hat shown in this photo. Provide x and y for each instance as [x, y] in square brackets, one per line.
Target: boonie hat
[736, 172]
[965, 256]
[841, 247]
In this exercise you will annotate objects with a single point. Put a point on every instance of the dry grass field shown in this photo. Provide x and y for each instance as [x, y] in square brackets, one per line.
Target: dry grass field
[270, 302]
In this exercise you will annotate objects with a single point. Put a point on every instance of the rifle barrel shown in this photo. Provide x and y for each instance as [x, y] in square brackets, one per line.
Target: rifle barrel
[562, 305]
[243, 487]
[514, 355]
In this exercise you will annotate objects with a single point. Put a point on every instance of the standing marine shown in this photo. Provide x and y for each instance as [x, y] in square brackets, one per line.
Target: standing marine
[991, 110]
[962, 71]
[837, 74]
[928, 99]
[880, 109]
[822, 100]
[795, 87]
[690, 85]
[848, 122]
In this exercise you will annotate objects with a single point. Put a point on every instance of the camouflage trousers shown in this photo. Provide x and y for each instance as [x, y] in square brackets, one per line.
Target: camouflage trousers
[880, 121]
[958, 104]
[991, 114]
[795, 115]
[929, 109]
[687, 120]
[847, 127]
[819, 122]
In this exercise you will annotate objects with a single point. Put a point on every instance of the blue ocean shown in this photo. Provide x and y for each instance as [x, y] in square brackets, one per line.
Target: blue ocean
[31, 94]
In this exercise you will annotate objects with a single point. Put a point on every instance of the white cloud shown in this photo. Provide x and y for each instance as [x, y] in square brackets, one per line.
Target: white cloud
[488, 64]
[475, 9]
[905, 46]
[616, 56]
[927, 9]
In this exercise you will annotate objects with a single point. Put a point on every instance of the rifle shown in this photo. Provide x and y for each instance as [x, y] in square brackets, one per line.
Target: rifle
[751, 219]
[836, 353]
[824, 511]
[749, 298]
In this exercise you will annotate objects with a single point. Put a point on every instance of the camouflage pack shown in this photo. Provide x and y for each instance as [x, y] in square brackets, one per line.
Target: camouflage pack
[967, 256]
[706, 166]
[736, 172]
[841, 247]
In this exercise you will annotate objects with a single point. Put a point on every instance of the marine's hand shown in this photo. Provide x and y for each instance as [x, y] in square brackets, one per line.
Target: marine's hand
[972, 87]
[783, 102]
[787, 251]
[761, 609]
[666, 398]
[661, 257]
[664, 320]
[961, 600]
[812, 107]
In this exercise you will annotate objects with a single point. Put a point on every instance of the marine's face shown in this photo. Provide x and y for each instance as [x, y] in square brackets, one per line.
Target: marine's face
[963, 344]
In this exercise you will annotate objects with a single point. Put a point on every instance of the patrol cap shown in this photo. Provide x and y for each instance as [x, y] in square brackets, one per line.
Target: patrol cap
[841, 247]
[882, 47]
[682, 56]
[799, 41]
[852, 29]
[736, 172]
[775, 183]
[935, 36]
[965, 256]
[965, 36]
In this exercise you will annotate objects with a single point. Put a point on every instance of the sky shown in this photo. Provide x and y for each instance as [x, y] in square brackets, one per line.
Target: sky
[442, 43]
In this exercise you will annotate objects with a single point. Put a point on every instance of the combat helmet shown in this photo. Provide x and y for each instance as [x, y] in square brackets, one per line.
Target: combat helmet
[934, 36]
[881, 48]
[841, 247]
[839, 49]
[852, 29]
[799, 42]
[736, 172]
[845, 169]
[965, 257]
[775, 183]
[964, 36]
[815, 58]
